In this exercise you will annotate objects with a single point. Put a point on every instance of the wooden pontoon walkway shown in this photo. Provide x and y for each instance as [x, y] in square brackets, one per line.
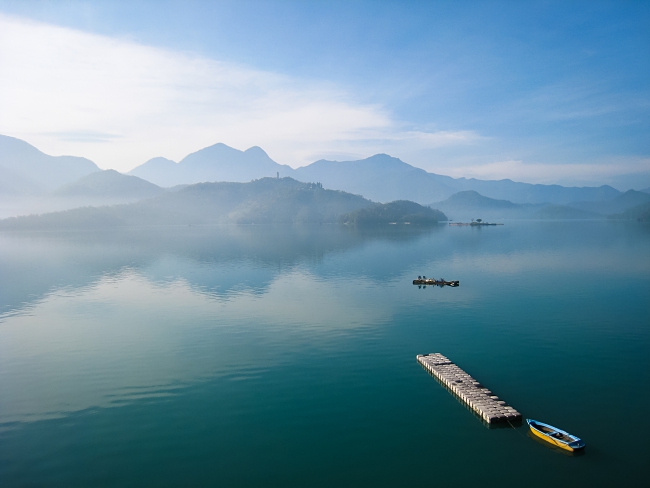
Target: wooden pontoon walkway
[481, 400]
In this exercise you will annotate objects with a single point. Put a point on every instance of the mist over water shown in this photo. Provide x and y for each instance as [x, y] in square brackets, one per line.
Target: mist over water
[285, 355]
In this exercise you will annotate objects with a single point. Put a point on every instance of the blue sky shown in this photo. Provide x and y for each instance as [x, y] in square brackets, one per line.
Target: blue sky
[533, 91]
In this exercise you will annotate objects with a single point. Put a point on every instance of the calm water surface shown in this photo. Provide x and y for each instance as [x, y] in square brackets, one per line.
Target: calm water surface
[280, 356]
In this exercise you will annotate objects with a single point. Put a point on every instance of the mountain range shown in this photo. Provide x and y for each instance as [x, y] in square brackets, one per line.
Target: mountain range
[470, 204]
[34, 182]
[380, 177]
[384, 178]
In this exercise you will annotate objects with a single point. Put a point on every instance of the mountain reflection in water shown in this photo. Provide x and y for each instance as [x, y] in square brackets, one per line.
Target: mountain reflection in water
[227, 350]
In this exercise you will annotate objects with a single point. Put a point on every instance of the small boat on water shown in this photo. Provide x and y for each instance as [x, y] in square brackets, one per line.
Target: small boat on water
[423, 280]
[555, 436]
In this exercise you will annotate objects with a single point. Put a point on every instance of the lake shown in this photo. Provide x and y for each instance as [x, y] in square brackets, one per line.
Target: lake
[285, 356]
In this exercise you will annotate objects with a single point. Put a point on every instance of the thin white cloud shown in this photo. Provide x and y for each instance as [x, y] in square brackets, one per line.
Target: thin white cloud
[120, 103]
[575, 99]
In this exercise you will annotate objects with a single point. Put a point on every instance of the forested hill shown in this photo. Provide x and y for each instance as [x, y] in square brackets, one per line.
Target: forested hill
[398, 212]
[263, 201]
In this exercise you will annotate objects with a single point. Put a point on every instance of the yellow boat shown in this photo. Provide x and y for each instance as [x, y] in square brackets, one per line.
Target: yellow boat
[555, 436]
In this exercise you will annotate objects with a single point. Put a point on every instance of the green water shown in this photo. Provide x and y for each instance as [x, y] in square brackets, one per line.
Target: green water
[279, 356]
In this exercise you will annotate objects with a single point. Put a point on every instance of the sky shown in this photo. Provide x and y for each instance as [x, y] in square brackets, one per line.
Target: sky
[542, 92]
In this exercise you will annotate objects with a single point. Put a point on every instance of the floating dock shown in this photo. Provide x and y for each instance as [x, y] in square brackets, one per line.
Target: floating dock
[482, 401]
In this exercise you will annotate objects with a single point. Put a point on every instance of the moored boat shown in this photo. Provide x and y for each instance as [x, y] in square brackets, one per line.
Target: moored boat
[423, 280]
[555, 436]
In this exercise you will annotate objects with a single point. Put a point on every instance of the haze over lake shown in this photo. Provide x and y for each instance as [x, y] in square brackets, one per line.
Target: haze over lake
[217, 219]
[285, 356]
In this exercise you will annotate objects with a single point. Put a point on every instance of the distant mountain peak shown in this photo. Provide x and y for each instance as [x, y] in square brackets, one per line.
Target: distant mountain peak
[256, 150]
[471, 198]
[383, 156]
[380, 160]
[387, 160]
[218, 148]
[9, 146]
[218, 162]
[35, 168]
[160, 159]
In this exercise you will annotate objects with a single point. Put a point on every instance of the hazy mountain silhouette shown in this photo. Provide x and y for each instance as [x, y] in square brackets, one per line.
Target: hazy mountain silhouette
[15, 184]
[640, 213]
[469, 204]
[471, 199]
[621, 203]
[98, 188]
[517, 192]
[215, 163]
[563, 212]
[264, 201]
[25, 169]
[109, 185]
[26, 172]
[380, 177]
[384, 178]
[159, 171]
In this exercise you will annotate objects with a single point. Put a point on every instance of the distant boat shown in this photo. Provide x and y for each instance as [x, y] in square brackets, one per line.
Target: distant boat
[555, 436]
[473, 224]
[423, 280]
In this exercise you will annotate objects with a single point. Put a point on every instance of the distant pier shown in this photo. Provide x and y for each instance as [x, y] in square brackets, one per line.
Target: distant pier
[482, 401]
